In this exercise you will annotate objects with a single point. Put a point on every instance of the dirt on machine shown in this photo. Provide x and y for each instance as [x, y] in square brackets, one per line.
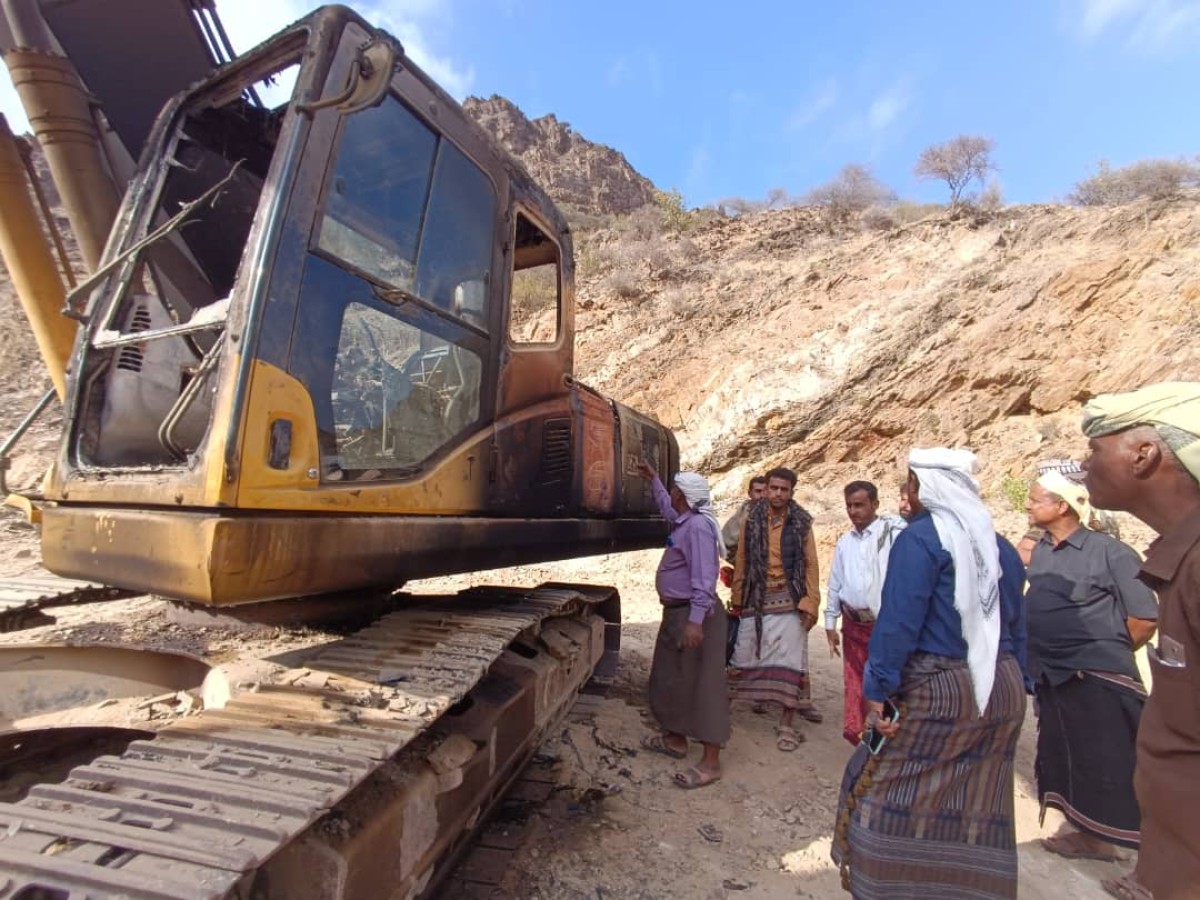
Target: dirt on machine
[323, 346]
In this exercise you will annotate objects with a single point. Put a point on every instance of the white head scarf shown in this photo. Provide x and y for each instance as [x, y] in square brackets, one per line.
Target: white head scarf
[1074, 494]
[695, 490]
[951, 494]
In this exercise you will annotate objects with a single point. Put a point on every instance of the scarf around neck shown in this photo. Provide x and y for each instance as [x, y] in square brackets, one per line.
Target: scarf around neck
[757, 535]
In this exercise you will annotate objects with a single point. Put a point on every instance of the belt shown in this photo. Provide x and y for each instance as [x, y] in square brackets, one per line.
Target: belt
[858, 616]
[673, 602]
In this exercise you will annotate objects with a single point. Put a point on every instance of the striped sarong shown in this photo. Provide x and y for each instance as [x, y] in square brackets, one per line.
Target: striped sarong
[775, 671]
[932, 814]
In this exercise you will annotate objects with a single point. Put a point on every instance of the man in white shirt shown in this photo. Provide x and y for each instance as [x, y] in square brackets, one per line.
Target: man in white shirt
[855, 588]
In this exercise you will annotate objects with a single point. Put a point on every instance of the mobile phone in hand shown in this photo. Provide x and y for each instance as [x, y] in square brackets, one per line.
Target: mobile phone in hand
[875, 739]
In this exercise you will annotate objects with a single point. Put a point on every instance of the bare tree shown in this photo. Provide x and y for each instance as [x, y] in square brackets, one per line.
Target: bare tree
[777, 198]
[853, 191]
[738, 206]
[958, 162]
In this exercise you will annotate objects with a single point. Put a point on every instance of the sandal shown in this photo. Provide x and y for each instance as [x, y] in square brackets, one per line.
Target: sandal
[1071, 847]
[788, 739]
[811, 714]
[760, 707]
[1125, 888]
[694, 778]
[657, 743]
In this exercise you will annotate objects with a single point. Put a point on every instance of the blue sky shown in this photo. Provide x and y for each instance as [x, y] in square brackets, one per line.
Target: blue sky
[723, 100]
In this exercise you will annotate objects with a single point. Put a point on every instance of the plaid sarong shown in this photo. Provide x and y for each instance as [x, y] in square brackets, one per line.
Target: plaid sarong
[775, 670]
[934, 818]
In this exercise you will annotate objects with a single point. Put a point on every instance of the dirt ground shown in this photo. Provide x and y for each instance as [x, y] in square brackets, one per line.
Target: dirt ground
[633, 835]
[625, 831]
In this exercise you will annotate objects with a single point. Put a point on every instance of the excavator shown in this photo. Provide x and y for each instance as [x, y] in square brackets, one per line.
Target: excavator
[323, 346]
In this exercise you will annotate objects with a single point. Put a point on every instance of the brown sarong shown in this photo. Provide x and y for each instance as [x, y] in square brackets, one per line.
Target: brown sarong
[688, 691]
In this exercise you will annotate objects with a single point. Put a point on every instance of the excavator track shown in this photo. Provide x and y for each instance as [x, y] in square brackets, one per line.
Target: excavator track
[24, 599]
[284, 793]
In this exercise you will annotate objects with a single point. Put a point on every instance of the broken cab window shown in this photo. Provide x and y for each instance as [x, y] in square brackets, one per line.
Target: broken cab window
[399, 393]
[536, 292]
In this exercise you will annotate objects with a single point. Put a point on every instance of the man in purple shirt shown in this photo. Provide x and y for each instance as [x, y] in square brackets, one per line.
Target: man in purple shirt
[688, 691]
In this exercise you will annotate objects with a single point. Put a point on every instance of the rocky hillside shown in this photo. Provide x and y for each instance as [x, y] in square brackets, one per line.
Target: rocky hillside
[578, 174]
[765, 341]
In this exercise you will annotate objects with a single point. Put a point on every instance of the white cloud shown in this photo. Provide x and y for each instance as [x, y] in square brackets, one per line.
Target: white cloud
[1148, 25]
[1096, 15]
[618, 72]
[870, 128]
[819, 101]
[889, 106]
[654, 75]
[644, 67]
[410, 22]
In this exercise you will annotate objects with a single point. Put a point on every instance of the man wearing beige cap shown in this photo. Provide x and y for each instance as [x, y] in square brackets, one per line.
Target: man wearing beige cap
[1145, 459]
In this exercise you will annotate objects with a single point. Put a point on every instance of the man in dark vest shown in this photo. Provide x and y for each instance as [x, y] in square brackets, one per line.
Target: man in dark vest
[776, 597]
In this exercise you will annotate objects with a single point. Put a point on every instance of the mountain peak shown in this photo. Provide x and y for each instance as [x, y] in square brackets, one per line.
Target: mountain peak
[575, 172]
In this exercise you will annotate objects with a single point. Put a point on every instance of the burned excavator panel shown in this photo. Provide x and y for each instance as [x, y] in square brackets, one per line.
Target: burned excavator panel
[156, 345]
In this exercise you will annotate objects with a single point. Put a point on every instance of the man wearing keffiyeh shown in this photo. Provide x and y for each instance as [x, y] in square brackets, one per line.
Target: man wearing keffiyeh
[932, 812]
[687, 675]
[1145, 459]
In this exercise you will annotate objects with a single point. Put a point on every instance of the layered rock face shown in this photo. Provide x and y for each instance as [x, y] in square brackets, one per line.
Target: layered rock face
[773, 343]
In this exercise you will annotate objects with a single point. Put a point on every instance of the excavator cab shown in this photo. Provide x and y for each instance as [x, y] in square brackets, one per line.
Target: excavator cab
[329, 345]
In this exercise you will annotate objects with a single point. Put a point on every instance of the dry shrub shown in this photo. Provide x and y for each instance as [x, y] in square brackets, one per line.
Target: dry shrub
[678, 302]
[624, 283]
[906, 211]
[992, 198]
[877, 218]
[687, 249]
[1152, 179]
[641, 224]
[660, 256]
[852, 192]
[738, 206]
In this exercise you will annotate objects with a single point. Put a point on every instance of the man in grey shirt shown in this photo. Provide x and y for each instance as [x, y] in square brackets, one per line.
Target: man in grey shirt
[1087, 614]
[731, 531]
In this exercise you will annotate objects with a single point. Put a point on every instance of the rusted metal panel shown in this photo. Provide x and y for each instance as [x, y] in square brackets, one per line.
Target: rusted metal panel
[642, 440]
[224, 560]
[596, 473]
